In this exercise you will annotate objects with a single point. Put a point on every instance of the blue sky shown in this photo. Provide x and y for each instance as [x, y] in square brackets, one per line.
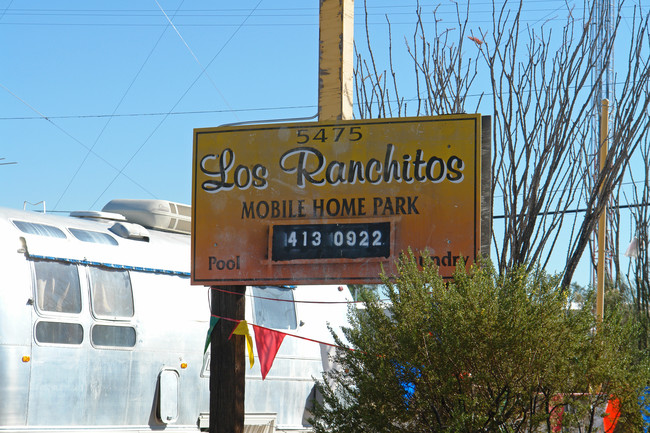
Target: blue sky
[98, 100]
[76, 63]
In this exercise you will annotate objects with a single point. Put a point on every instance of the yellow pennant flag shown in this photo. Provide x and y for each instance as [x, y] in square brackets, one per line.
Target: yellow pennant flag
[242, 329]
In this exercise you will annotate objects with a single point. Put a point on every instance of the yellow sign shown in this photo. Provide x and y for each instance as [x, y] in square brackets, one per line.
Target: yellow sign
[336, 202]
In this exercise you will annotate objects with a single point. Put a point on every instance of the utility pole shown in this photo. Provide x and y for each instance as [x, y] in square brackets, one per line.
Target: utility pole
[335, 68]
[335, 95]
[601, 33]
[602, 223]
[227, 362]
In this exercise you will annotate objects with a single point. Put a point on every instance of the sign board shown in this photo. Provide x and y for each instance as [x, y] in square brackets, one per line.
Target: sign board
[334, 202]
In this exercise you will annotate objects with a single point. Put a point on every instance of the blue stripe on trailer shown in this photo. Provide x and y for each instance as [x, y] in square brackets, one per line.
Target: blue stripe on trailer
[110, 265]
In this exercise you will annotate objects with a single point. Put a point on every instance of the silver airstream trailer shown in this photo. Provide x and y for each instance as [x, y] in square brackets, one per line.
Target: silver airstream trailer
[101, 330]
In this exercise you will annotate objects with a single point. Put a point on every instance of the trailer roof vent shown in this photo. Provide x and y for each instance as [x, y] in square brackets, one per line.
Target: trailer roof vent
[155, 214]
[130, 231]
[93, 214]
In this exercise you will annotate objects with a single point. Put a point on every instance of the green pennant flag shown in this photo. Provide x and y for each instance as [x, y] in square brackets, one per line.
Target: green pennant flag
[213, 321]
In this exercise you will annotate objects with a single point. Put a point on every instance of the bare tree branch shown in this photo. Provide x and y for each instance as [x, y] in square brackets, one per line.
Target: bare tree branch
[542, 88]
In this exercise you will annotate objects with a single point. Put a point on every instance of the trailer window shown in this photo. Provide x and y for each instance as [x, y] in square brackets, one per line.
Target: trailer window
[111, 293]
[59, 332]
[113, 336]
[93, 237]
[39, 229]
[57, 287]
[274, 307]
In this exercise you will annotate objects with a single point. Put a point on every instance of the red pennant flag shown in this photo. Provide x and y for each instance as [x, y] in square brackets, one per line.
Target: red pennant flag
[613, 411]
[557, 413]
[268, 343]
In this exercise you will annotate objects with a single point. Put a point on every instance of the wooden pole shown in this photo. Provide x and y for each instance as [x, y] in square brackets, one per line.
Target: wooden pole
[227, 362]
[602, 223]
[335, 68]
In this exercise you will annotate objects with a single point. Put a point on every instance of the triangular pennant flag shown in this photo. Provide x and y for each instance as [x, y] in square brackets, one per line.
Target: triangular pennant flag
[242, 329]
[613, 412]
[268, 343]
[213, 322]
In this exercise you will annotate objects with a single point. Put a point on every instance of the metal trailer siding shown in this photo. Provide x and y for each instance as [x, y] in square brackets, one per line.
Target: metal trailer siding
[72, 386]
[15, 328]
[119, 387]
[66, 388]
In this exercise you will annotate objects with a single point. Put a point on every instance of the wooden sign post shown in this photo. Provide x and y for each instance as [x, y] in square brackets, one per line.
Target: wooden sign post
[227, 363]
[227, 368]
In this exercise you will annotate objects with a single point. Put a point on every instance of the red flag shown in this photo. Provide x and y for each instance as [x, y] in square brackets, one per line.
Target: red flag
[613, 411]
[557, 413]
[268, 343]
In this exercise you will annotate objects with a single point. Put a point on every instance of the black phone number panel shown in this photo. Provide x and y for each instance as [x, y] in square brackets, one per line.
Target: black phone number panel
[330, 241]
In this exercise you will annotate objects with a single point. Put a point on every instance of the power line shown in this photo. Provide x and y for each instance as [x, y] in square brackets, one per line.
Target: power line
[71, 136]
[175, 113]
[480, 9]
[110, 118]
[229, 110]
[569, 211]
[232, 36]
[4, 11]
[267, 24]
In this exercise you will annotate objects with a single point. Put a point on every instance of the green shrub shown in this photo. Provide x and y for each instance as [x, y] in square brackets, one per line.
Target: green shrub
[478, 353]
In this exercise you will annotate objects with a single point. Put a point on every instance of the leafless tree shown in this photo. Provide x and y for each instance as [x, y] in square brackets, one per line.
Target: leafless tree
[638, 272]
[540, 94]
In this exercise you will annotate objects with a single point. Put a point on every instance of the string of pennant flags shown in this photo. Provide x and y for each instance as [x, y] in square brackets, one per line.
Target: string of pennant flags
[267, 341]
[290, 300]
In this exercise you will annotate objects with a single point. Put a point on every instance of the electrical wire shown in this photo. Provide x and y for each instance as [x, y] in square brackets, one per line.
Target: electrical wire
[381, 11]
[281, 332]
[117, 106]
[178, 101]
[194, 56]
[42, 116]
[4, 11]
[287, 300]
[175, 113]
